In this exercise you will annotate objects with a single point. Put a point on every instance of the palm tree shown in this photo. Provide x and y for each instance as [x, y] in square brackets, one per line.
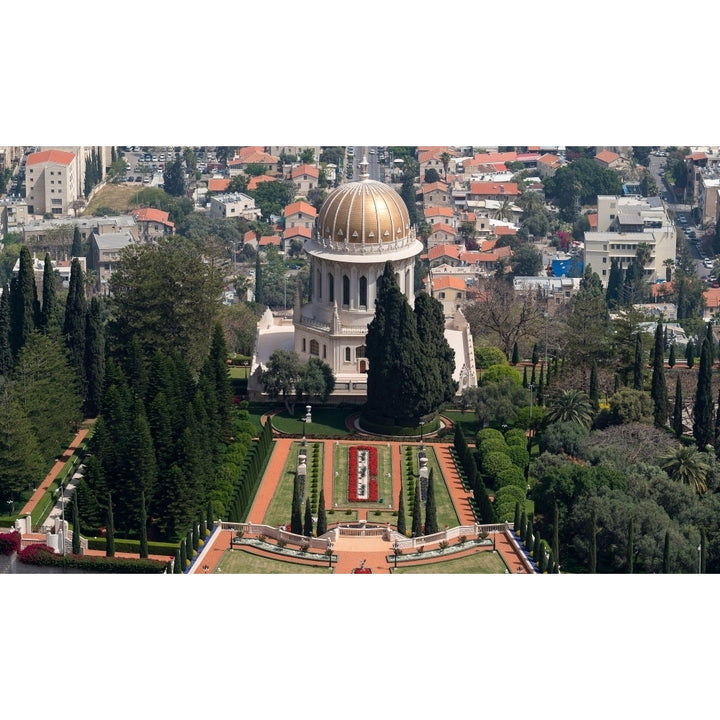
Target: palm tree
[643, 254]
[571, 406]
[669, 264]
[445, 160]
[686, 464]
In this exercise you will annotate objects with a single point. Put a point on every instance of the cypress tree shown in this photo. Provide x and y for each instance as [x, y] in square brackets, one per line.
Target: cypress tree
[515, 354]
[5, 350]
[520, 531]
[533, 381]
[94, 358]
[516, 522]
[183, 556]
[177, 569]
[210, 515]
[666, 553]
[678, 409]
[671, 356]
[296, 526]
[110, 522]
[534, 359]
[593, 543]
[542, 560]
[541, 386]
[594, 393]
[195, 535]
[525, 377]
[24, 306]
[401, 524]
[75, 524]
[77, 245]
[690, 354]
[74, 324]
[711, 341]
[615, 281]
[431, 525]
[658, 390]
[638, 364]
[143, 528]
[630, 546]
[322, 514]
[417, 512]
[537, 548]
[308, 524]
[703, 429]
[49, 296]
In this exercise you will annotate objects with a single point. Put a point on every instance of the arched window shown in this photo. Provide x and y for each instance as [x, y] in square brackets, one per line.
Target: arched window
[360, 351]
[331, 288]
[346, 290]
[324, 351]
[314, 347]
[319, 284]
[347, 354]
[304, 346]
[363, 291]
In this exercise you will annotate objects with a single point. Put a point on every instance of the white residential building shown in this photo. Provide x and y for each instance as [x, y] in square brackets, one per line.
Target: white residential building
[623, 224]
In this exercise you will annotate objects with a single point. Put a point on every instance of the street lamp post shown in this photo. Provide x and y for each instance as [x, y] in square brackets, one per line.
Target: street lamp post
[396, 551]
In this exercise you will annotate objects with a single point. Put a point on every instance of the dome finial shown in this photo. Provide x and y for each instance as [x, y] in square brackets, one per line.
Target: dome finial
[364, 174]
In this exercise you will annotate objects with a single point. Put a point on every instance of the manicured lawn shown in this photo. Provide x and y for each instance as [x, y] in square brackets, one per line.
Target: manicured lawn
[466, 420]
[239, 561]
[480, 563]
[445, 512]
[280, 508]
[326, 422]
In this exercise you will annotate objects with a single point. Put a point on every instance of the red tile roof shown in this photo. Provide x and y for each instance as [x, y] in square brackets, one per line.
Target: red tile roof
[494, 188]
[439, 210]
[255, 181]
[295, 231]
[607, 156]
[310, 170]
[269, 240]
[218, 184]
[443, 250]
[440, 282]
[443, 227]
[55, 156]
[300, 207]
[153, 215]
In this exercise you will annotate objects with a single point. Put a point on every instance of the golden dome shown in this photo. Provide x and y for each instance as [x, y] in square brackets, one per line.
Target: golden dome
[366, 211]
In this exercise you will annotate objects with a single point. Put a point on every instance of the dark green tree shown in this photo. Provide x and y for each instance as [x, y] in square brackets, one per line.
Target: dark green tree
[24, 305]
[259, 289]
[671, 356]
[49, 297]
[110, 528]
[400, 383]
[322, 514]
[703, 429]
[6, 357]
[94, 358]
[658, 390]
[666, 553]
[167, 294]
[515, 354]
[74, 323]
[613, 293]
[638, 365]
[594, 393]
[296, 519]
[401, 524]
[534, 359]
[143, 527]
[431, 524]
[75, 525]
[525, 377]
[77, 249]
[678, 410]
[690, 354]
[174, 179]
[593, 542]
[308, 522]
[417, 525]
[630, 546]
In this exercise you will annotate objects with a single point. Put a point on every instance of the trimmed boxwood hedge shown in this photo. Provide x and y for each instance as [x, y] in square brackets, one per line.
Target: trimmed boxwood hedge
[43, 556]
[133, 546]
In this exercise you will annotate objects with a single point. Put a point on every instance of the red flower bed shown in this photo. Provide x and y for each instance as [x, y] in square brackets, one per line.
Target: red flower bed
[372, 489]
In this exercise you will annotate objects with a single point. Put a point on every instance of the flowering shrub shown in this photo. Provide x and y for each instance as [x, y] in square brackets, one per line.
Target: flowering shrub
[9, 543]
[43, 556]
[362, 482]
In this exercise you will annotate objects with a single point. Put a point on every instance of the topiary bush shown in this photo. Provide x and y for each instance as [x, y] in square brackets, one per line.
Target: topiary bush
[516, 436]
[488, 432]
[511, 476]
[495, 462]
[519, 455]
